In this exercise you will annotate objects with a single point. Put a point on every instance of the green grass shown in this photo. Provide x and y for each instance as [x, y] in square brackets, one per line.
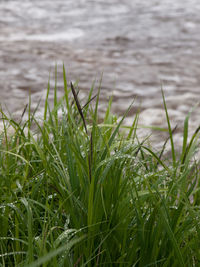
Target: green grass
[76, 192]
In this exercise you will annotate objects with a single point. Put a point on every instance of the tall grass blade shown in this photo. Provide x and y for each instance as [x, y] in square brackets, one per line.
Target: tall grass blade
[170, 131]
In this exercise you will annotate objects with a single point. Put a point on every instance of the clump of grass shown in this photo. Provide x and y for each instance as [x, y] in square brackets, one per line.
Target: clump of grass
[75, 192]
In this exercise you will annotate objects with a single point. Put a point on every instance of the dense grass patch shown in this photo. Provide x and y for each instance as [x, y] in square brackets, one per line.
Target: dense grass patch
[77, 192]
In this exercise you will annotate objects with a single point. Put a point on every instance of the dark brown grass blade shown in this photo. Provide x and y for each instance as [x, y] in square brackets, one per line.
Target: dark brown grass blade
[24, 111]
[78, 106]
[88, 102]
[72, 102]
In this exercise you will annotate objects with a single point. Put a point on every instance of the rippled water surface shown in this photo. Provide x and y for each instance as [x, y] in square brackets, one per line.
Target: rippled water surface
[137, 44]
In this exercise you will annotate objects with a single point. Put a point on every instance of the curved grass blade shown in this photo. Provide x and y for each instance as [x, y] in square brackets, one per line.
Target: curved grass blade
[170, 130]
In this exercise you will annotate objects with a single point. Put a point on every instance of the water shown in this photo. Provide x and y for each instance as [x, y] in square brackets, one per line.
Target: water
[138, 45]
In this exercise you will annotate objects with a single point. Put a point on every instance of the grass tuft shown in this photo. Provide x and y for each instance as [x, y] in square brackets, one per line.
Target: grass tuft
[77, 192]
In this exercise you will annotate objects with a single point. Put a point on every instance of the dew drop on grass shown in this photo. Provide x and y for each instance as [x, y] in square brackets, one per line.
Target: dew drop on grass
[67, 222]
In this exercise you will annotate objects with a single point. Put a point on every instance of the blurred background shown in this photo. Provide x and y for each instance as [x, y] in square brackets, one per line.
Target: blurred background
[138, 45]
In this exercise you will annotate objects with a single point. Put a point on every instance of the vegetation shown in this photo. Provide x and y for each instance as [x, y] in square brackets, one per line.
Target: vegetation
[77, 192]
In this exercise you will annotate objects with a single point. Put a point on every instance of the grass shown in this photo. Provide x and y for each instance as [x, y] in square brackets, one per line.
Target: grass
[76, 192]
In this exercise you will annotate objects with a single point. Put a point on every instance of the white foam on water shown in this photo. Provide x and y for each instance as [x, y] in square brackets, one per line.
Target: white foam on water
[67, 35]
